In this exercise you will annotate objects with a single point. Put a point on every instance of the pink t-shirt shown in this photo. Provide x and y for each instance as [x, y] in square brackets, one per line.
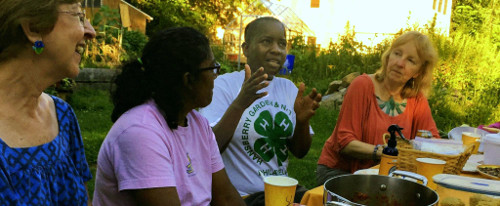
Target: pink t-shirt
[141, 151]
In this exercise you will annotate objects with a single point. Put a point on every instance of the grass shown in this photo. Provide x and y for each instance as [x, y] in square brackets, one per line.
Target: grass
[93, 110]
[304, 170]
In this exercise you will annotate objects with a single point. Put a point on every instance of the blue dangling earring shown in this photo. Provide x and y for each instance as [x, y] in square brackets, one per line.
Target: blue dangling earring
[38, 47]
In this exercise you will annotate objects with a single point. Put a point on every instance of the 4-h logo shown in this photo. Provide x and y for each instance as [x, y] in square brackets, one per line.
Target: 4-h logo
[274, 134]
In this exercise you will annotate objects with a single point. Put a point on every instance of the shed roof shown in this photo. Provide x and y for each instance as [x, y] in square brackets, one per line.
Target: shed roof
[130, 5]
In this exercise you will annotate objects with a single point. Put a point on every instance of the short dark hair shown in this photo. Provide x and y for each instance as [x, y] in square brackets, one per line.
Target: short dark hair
[166, 57]
[42, 16]
[253, 27]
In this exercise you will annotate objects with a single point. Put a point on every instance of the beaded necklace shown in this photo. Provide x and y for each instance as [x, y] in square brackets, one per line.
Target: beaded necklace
[391, 107]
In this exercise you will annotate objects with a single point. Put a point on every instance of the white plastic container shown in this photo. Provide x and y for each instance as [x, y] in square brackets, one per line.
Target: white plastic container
[492, 149]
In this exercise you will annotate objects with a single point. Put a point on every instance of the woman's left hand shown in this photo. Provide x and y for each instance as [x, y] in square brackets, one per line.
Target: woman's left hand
[305, 106]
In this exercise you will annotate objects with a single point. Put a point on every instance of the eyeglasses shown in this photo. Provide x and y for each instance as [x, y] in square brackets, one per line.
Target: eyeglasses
[81, 15]
[215, 69]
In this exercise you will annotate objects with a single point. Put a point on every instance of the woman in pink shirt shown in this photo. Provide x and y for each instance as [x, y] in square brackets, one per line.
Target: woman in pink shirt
[160, 151]
[395, 94]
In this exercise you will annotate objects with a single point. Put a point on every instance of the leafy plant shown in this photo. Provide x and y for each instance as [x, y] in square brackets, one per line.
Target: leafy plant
[200, 14]
[226, 65]
[107, 22]
[133, 43]
[105, 50]
[62, 88]
[66, 84]
[317, 68]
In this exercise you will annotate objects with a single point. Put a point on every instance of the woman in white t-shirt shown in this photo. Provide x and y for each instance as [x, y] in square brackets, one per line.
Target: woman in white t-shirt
[257, 117]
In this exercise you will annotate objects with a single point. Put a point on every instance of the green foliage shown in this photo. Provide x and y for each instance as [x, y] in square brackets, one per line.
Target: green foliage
[93, 110]
[226, 65]
[133, 43]
[105, 50]
[477, 17]
[173, 13]
[317, 68]
[200, 14]
[51, 90]
[304, 169]
[468, 14]
[65, 85]
[467, 88]
[106, 17]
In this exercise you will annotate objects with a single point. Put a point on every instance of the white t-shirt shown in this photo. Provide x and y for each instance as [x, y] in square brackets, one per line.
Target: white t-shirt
[259, 141]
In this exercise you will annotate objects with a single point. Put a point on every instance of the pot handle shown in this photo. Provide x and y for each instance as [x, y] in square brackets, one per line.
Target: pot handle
[405, 174]
[335, 203]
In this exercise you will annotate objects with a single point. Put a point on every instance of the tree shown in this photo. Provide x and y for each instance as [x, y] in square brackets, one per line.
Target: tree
[475, 16]
[202, 15]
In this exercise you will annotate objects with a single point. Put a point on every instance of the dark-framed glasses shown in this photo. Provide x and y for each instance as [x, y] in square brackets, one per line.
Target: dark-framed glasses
[80, 15]
[215, 69]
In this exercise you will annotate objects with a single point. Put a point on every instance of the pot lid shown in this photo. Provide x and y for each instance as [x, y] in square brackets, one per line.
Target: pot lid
[469, 184]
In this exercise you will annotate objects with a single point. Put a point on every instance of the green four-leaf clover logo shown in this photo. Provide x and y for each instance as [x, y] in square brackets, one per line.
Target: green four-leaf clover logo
[274, 135]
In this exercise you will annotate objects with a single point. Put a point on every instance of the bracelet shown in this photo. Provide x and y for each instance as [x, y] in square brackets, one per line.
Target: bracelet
[374, 156]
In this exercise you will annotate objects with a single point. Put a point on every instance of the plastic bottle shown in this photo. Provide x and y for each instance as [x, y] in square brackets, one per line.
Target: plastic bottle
[390, 153]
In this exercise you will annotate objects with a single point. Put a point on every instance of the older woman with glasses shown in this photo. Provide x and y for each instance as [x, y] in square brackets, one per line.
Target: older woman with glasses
[160, 151]
[42, 159]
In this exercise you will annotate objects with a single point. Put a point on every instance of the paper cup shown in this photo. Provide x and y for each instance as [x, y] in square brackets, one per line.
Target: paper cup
[471, 138]
[279, 190]
[429, 167]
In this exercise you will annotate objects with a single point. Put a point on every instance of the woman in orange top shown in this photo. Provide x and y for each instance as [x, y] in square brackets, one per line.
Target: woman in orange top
[395, 94]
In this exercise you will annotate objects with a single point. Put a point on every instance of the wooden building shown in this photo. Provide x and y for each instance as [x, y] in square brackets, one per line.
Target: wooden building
[130, 16]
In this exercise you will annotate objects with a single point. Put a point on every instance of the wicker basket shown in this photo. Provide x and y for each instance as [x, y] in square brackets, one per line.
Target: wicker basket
[407, 158]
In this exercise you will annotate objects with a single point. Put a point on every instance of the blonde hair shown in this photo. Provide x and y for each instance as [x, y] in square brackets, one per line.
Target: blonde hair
[427, 54]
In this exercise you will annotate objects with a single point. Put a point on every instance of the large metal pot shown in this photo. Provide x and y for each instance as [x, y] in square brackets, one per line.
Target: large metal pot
[359, 189]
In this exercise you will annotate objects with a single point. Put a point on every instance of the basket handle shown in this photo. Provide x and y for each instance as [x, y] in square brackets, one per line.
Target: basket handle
[469, 149]
[385, 137]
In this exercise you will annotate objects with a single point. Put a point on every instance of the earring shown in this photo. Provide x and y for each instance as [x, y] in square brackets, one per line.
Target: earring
[38, 47]
[413, 83]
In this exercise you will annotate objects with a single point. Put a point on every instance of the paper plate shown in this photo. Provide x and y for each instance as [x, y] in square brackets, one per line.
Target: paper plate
[488, 174]
[470, 167]
[472, 163]
[367, 172]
